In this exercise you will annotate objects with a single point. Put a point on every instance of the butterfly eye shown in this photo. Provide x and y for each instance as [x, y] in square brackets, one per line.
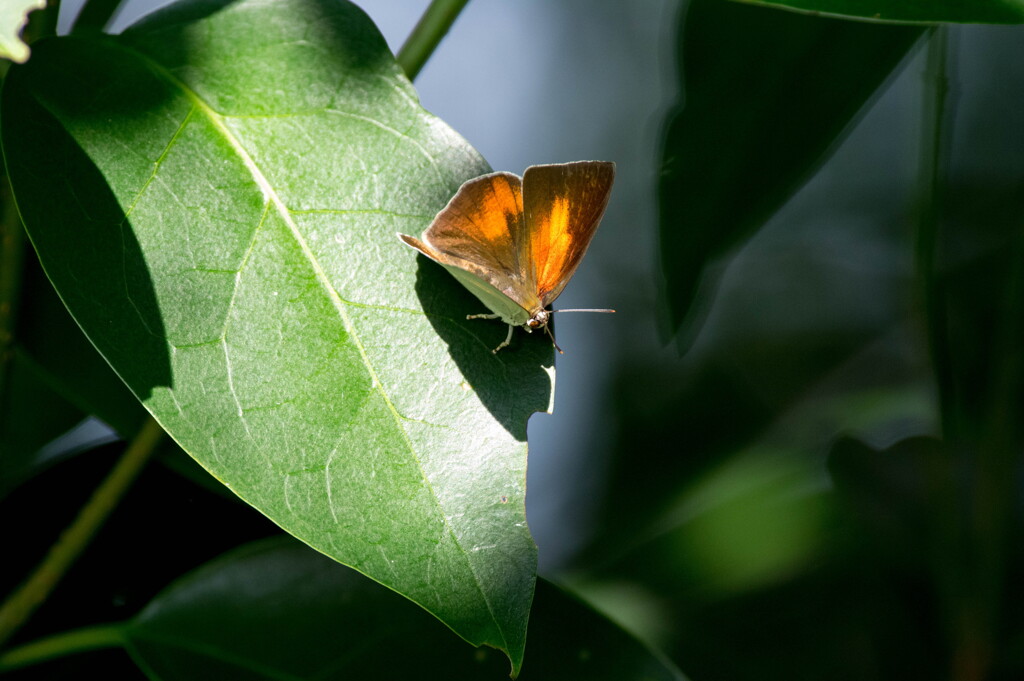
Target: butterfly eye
[534, 323]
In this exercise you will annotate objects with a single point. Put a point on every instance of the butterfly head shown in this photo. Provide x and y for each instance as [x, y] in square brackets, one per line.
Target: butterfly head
[539, 319]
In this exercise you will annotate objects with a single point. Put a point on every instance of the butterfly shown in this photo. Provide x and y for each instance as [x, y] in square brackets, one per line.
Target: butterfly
[515, 242]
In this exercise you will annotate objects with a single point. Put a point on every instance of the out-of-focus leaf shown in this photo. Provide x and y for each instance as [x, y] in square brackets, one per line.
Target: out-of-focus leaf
[901, 497]
[56, 380]
[917, 11]
[65, 359]
[31, 415]
[13, 17]
[766, 95]
[215, 196]
[778, 363]
[982, 277]
[763, 556]
[275, 609]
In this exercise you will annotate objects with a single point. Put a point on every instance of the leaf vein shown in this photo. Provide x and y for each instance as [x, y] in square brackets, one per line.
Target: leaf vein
[355, 211]
[397, 133]
[128, 211]
[227, 325]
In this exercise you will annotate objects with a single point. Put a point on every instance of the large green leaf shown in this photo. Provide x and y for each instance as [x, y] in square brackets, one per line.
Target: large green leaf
[766, 95]
[215, 196]
[918, 11]
[276, 610]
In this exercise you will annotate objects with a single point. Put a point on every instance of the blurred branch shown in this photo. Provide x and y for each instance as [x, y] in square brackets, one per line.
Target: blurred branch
[60, 645]
[20, 605]
[1004, 429]
[930, 285]
[424, 39]
[974, 591]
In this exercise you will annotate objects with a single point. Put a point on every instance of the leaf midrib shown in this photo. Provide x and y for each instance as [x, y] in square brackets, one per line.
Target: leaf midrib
[270, 195]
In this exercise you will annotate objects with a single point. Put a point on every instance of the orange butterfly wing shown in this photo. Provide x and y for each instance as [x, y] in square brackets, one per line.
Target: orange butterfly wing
[563, 204]
[480, 231]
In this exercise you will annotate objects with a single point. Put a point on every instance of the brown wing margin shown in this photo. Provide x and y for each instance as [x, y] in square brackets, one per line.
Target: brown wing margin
[564, 204]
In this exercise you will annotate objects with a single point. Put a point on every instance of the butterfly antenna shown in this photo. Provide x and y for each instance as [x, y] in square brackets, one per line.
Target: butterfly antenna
[548, 329]
[553, 341]
[581, 310]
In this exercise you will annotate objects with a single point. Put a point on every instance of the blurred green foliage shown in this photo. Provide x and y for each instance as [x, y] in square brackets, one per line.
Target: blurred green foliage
[828, 483]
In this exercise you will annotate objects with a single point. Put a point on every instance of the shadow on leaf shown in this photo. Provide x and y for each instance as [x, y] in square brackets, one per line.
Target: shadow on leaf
[81, 234]
[513, 383]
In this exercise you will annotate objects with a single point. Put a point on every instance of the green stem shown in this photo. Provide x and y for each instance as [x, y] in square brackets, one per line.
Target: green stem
[20, 605]
[930, 285]
[970, 578]
[424, 39]
[60, 645]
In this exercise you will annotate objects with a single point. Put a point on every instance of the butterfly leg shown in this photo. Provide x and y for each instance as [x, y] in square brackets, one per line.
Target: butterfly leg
[553, 342]
[508, 339]
[504, 343]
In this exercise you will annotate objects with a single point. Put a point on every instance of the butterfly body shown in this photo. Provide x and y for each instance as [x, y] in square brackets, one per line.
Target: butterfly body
[515, 243]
